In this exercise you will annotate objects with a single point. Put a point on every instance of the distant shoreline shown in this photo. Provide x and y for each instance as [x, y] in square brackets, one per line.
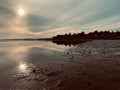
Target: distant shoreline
[102, 35]
[27, 39]
[50, 39]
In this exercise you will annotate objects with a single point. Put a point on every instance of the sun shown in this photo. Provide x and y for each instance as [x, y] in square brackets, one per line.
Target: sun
[21, 12]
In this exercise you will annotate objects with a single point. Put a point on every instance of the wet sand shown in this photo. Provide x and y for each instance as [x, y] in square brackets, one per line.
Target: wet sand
[85, 75]
[89, 66]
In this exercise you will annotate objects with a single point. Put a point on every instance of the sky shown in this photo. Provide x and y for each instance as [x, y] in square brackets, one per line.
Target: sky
[46, 18]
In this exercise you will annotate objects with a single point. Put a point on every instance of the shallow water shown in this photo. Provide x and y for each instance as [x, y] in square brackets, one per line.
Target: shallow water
[43, 65]
[17, 56]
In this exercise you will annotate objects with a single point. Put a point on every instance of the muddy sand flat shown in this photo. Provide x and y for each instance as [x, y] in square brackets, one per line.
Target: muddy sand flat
[92, 65]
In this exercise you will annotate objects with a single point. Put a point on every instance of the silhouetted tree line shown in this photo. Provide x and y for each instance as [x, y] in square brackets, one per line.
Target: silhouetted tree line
[102, 35]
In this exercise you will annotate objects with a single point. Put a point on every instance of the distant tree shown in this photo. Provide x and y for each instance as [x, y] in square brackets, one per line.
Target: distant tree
[74, 34]
[96, 32]
[101, 32]
[112, 32]
[69, 33]
[108, 32]
[65, 34]
[82, 33]
[117, 30]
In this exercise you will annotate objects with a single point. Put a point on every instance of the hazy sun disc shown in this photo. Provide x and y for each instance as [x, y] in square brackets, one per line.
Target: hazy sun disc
[21, 12]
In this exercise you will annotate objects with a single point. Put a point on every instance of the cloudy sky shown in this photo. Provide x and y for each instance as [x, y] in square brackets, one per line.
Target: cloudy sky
[46, 18]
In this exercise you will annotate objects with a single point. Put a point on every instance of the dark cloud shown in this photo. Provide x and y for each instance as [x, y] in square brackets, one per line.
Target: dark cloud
[6, 8]
[7, 13]
[37, 23]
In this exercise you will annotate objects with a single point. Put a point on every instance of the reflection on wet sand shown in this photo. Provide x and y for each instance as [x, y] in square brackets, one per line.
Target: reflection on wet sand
[80, 68]
[17, 58]
[35, 66]
[23, 68]
[69, 43]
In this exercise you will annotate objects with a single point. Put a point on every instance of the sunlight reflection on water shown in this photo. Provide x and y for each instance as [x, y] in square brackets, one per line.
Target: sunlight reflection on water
[23, 67]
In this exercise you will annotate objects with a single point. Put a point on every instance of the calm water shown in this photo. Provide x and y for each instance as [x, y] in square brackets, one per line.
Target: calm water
[16, 57]
[19, 60]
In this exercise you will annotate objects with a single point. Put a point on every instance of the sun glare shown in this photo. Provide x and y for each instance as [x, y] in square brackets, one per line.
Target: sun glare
[23, 67]
[21, 12]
